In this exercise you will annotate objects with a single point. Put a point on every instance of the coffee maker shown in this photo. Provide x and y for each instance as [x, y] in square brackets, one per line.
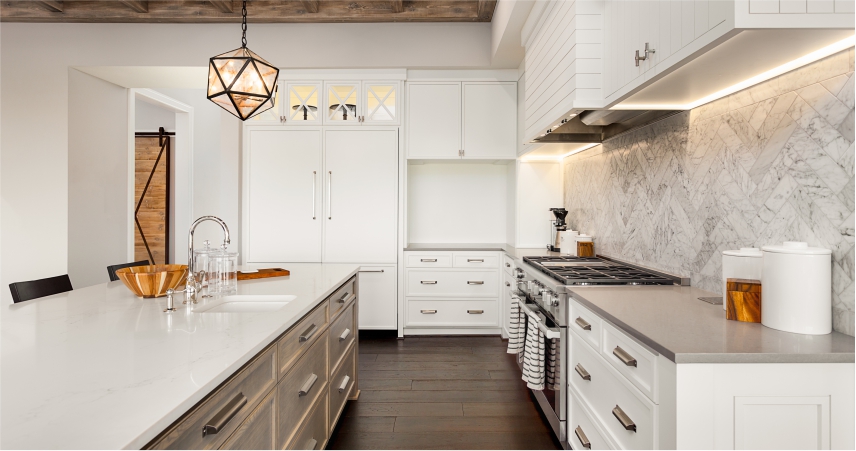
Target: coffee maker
[556, 226]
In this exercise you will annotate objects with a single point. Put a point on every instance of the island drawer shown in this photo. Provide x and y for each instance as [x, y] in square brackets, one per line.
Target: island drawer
[429, 260]
[300, 337]
[225, 409]
[343, 296]
[453, 282]
[631, 359]
[342, 335]
[341, 385]
[452, 313]
[257, 432]
[298, 390]
[476, 259]
[581, 428]
[313, 433]
[586, 324]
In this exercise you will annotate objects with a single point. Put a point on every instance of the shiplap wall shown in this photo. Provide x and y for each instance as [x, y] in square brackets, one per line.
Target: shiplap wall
[801, 6]
[563, 60]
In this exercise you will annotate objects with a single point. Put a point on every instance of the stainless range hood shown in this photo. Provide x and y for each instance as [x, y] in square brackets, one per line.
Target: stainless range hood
[597, 126]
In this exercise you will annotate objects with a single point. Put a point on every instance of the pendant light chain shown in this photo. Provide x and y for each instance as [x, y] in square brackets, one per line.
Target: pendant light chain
[244, 25]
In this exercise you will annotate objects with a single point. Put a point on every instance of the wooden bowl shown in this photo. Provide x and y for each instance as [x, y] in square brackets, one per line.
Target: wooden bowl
[152, 281]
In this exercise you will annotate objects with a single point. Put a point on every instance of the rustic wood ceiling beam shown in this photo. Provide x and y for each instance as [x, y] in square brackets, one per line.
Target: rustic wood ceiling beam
[51, 5]
[140, 6]
[224, 6]
[311, 6]
[397, 6]
[486, 8]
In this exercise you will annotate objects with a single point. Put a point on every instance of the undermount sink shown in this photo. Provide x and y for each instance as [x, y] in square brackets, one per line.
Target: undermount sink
[245, 303]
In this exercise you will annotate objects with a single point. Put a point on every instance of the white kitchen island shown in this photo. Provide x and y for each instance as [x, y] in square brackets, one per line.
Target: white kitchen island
[100, 368]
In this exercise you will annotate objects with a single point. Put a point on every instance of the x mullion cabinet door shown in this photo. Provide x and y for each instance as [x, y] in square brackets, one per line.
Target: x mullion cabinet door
[302, 103]
[273, 115]
[381, 103]
[343, 103]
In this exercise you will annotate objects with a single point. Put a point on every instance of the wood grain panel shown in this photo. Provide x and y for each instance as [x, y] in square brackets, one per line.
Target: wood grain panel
[468, 424]
[447, 440]
[153, 214]
[506, 365]
[457, 357]
[367, 424]
[499, 409]
[257, 431]
[445, 396]
[398, 409]
[384, 384]
[493, 384]
[426, 374]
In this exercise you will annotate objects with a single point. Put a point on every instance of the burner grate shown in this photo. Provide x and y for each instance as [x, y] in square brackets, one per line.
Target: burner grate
[594, 271]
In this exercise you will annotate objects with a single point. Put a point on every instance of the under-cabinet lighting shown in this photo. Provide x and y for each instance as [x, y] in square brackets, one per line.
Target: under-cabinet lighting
[772, 73]
[559, 158]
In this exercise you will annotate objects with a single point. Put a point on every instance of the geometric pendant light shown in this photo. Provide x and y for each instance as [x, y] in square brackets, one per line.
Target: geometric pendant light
[242, 82]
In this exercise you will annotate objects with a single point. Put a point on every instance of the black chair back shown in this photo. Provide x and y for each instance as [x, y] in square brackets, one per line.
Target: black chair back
[24, 291]
[111, 270]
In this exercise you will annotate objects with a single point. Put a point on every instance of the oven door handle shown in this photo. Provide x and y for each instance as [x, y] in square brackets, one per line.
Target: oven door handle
[549, 333]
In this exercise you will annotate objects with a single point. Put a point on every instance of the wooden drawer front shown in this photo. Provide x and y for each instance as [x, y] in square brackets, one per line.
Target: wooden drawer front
[294, 406]
[342, 297]
[578, 418]
[586, 324]
[291, 346]
[250, 384]
[607, 389]
[643, 374]
[476, 259]
[429, 260]
[342, 333]
[341, 385]
[313, 432]
[453, 313]
[508, 265]
[257, 431]
[453, 283]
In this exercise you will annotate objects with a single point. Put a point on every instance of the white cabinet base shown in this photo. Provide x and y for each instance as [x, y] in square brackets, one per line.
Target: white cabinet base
[377, 285]
[410, 331]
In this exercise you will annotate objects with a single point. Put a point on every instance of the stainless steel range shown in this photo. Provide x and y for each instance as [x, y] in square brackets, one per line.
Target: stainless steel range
[543, 287]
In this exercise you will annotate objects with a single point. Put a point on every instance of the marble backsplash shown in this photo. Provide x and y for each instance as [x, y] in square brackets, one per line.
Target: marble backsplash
[771, 163]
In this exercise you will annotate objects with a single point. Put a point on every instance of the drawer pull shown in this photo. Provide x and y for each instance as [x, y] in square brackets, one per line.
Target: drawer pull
[428, 282]
[581, 436]
[582, 372]
[475, 282]
[428, 260]
[508, 284]
[624, 356]
[624, 419]
[344, 384]
[344, 334]
[224, 415]
[307, 386]
[475, 260]
[475, 312]
[508, 265]
[344, 296]
[311, 444]
[584, 325]
[428, 312]
[308, 333]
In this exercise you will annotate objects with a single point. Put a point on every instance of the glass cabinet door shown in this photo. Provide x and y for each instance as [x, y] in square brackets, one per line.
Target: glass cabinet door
[343, 106]
[302, 102]
[381, 102]
[271, 115]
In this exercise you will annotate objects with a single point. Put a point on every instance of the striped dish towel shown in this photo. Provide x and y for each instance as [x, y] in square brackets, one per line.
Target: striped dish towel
[516, 325]
[553, 365]
[533, 356]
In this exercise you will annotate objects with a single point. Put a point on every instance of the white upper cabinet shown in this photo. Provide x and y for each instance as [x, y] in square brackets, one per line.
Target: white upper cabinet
[273, 115]
[381, 103]
[490, 120]
[433, 120]
[343, 105]
[301, 103]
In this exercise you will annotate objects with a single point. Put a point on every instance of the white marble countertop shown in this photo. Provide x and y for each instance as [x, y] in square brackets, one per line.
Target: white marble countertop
[99, 368]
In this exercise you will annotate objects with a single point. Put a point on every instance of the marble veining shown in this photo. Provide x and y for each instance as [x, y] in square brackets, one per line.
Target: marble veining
[773, 162]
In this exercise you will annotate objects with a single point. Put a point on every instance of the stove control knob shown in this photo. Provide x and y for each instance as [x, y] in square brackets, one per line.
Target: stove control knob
[519, 273]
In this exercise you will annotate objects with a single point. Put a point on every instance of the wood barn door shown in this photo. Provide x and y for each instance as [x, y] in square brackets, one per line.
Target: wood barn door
[151, 194]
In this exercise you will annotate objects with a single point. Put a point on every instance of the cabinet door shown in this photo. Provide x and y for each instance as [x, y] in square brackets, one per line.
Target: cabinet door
[342, 104]
[302, 102]
[271, 116]
[433, 120]
[490, 120]
[284, 196]
[257, 431]
[381, 103]
[361, 182]
[378, 298]
[508, 289]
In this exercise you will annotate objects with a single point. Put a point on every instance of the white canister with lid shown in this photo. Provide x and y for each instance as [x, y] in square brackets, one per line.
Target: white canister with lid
[568, 242]
[745, 263]
[797, 288]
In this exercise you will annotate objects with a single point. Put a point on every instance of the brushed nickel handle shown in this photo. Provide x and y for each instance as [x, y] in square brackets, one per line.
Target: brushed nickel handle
[344, 384]
[308, 333]
[311, 444]
[344, 334]
[428, 282]
[221, 419]
[624, 419]
[475, 312]
[582, 372]
[584, 325]
[307, 386]
[508, 284]
[344, 296]
[475, 260]
[371, 270]
[475, 282]
[428, 260]
[428, 312]
[508, 265]
[329, 195]
[581, 436]
[624, 356]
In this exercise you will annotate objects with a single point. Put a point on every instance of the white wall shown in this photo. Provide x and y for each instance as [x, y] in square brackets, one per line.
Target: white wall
[149, 118]
[456, 203]
[539, 188]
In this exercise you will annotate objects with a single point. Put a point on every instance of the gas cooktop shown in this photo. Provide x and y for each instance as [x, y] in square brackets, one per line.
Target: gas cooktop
[595, 271]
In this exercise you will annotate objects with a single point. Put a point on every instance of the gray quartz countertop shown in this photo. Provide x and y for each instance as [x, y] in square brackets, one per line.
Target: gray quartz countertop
[672, 321]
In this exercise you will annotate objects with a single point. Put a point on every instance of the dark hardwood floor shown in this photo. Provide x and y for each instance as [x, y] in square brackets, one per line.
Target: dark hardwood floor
[440, 393]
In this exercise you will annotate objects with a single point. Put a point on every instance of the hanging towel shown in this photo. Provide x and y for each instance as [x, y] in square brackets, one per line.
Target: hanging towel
[553, 365]
[516, 328]
[533, 356]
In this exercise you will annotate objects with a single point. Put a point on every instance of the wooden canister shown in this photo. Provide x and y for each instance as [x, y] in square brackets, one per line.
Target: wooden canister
[585, 249]
[743, 300]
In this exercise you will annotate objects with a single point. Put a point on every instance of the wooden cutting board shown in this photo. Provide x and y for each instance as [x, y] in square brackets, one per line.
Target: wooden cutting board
[264, 274]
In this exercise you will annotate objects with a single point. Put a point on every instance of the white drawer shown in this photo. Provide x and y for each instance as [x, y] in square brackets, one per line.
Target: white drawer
[461, 283]
[452, 313]
[429, 259]
[476, 259]
[642, 370]
[605, 390]
[586, 324]
[581, 427]
[508, 265]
